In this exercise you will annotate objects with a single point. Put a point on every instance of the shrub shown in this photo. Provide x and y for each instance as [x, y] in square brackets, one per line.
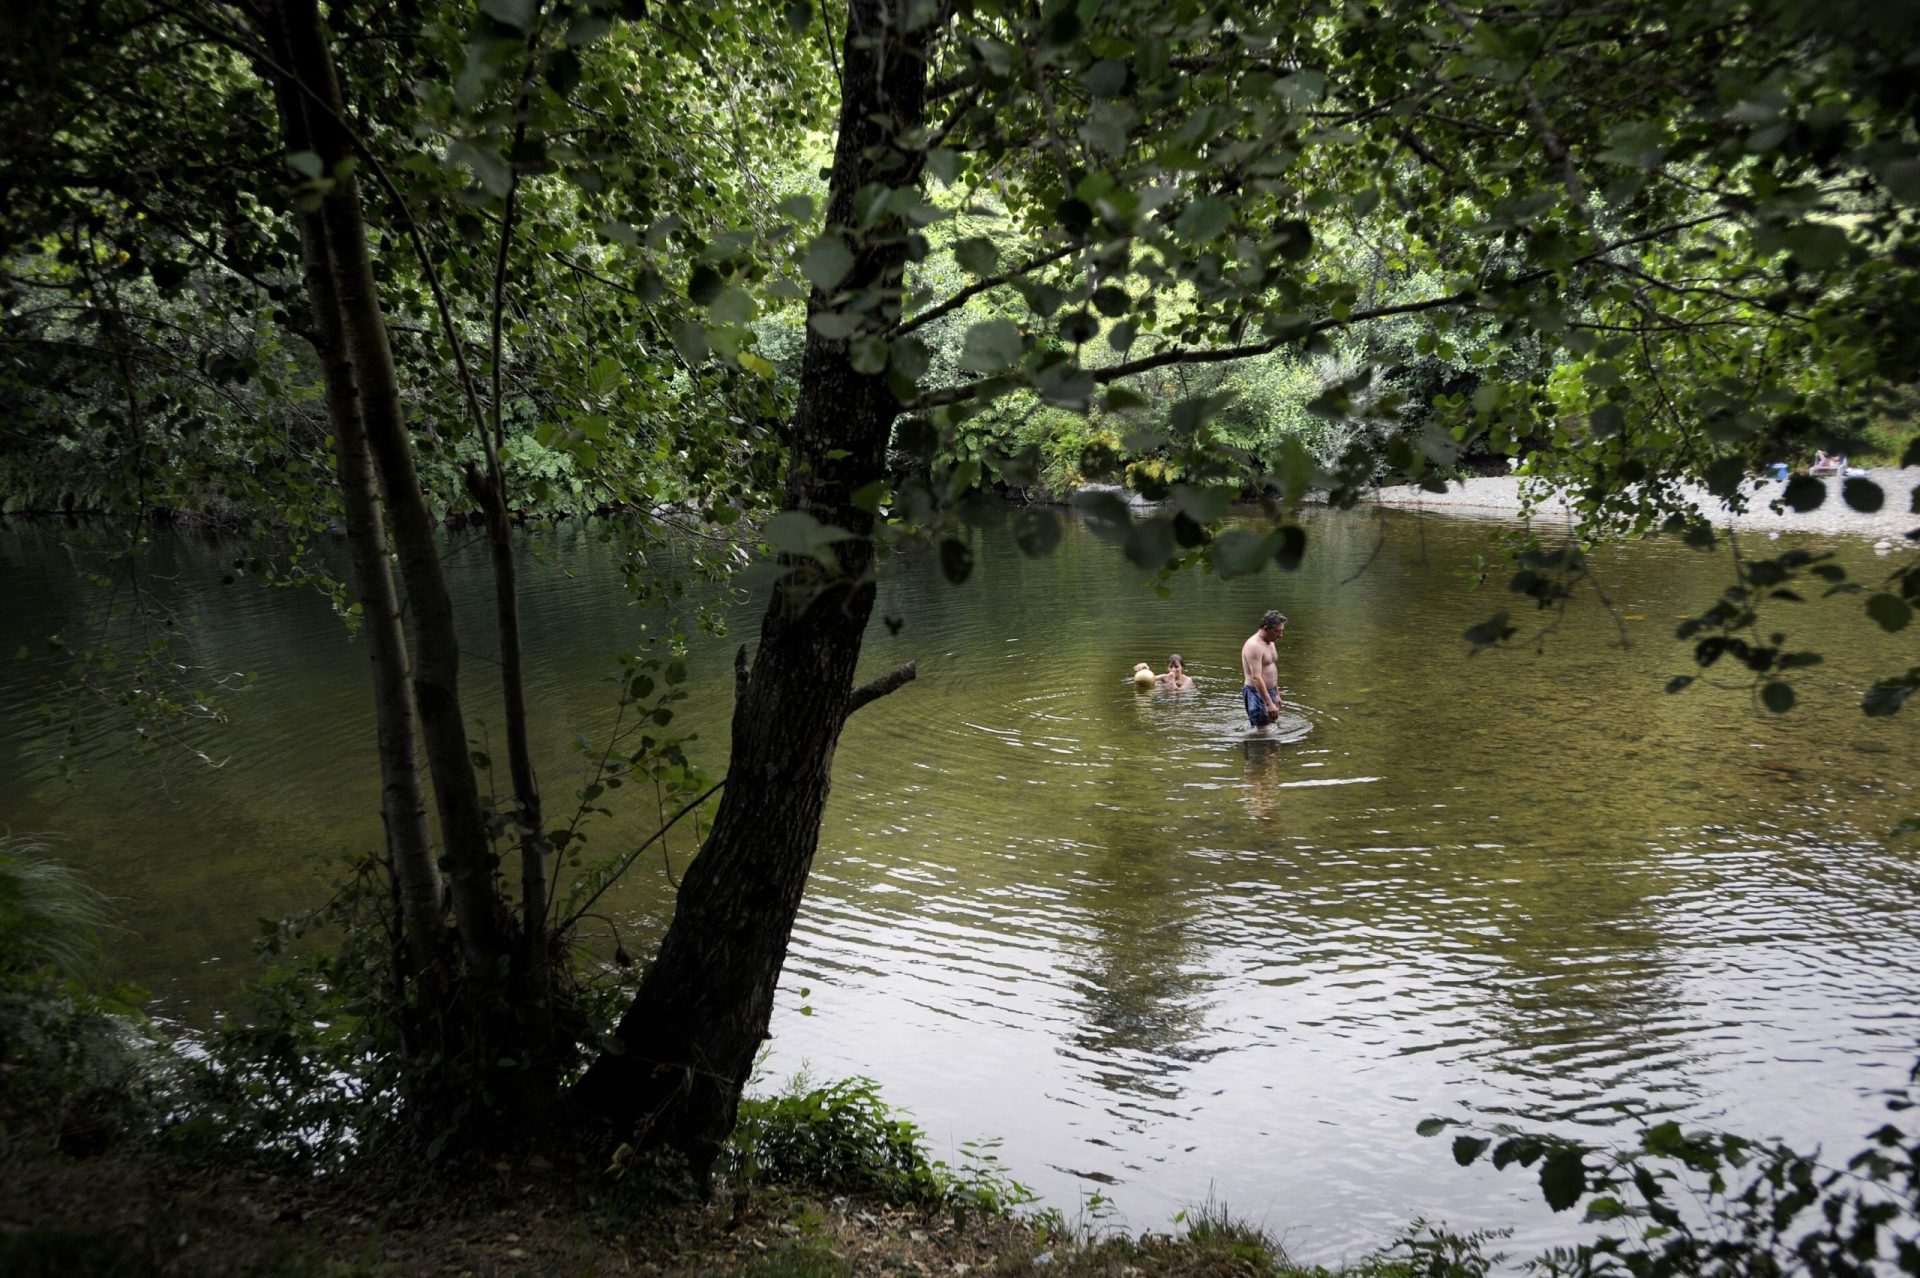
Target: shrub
[1701, 1204]
[843, 1138]
[78, 1068]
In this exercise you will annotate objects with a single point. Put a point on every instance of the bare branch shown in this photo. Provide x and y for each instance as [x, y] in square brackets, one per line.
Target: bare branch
[978, 287]
[892, 681]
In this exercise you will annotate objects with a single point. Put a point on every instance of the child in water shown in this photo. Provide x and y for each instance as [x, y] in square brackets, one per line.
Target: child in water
[1176, 678]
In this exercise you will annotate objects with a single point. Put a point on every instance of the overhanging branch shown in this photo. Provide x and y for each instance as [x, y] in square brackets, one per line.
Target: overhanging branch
[1223, 354]
[978, 287]
[886, 683]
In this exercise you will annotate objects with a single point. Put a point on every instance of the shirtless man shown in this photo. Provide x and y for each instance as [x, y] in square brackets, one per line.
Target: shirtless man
[1260, 669]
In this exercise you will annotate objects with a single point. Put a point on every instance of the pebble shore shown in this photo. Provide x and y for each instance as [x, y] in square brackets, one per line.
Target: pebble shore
[1499, 496]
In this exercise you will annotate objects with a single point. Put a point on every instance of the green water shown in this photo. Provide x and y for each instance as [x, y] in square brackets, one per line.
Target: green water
[1161, 960]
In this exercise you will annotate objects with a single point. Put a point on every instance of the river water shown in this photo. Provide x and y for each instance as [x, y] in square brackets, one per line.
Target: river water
[1160, 962]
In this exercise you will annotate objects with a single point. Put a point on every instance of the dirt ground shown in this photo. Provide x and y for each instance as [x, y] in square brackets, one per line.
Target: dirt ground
[129, 1218]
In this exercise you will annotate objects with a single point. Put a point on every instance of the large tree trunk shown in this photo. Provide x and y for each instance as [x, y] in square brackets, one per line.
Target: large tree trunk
[403, 806]
[689, 1040]
[478, 911]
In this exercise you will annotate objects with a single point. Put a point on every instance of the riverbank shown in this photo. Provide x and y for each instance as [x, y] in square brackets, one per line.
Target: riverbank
[1505, 497]
[130, 1218]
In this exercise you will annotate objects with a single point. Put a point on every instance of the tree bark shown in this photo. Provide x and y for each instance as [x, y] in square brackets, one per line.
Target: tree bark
[403, 806]
[688, 1042]
[478, 912]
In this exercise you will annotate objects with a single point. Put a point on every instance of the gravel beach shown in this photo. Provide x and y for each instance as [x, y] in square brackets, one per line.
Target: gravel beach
[1498, 496]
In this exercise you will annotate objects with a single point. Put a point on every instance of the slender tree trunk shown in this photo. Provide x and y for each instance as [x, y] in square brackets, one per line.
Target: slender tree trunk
[403, 806]
[492, 492]
[469, 858]
[689, 1040]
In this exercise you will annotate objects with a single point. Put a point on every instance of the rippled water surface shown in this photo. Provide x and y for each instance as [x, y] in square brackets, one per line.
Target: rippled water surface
[1160, 960]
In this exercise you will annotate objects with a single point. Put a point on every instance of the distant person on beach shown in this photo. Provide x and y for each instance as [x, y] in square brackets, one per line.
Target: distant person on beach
[1261, 669]
[1176, 679]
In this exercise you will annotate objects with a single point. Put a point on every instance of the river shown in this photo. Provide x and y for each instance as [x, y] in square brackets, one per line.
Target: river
[1161, 963]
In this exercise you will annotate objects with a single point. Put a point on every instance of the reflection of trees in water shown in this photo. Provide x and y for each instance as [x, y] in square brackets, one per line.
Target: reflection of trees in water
[1583, 991]
[1260, 796]
[1144, 999]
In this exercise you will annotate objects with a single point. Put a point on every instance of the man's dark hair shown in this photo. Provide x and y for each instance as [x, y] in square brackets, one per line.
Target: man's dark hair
[1273, 617]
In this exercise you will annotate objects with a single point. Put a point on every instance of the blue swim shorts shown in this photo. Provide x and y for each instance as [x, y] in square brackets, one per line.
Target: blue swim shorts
[1256, 706]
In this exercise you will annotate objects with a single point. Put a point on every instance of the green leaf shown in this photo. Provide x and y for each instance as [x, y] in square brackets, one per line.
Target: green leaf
[796, 208]
[868, 355]
[1106, 78]
[1149, 544]
[1202, 505]
[828, 260]
[307, 164]
[1902, 178]
[835, 326]
[976, 255]
[704, 285]
[517, 14]
[1804, 492]
[1887, 696]
[1036, 530]
[1108, 516]
[1432, 1126]
[911, 358]
[990, 346]
[956, 560]
[1491, 631]
[795, 532]
[758, 365]
[733, 306]
[1468, 1148]
[996, 57]
[1817, 246]
[691, 341]
[585, 30]
[1292, 548]
[1238, 552]
[1890, 612]
[1863, 495]
[1563, 1178]
[1203, 220]
[799, 15]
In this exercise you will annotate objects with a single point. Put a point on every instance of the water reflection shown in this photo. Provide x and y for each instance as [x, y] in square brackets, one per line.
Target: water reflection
[1134, 970]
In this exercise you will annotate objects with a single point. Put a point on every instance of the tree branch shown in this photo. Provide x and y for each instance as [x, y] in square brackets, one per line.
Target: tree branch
[978, 287]
[892, 681]
[1223, 354]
